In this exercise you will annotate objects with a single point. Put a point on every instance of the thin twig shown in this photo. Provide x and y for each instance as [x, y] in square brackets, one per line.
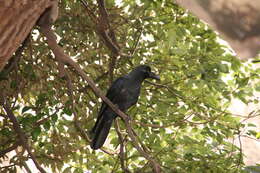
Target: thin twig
[7, 150]
[8, 166]
[105, 30]
[163, 126]
[42, 121]
[249, 137]
[136, 42]
[26, 167]
[167, 87]
[240, 150]
[90, 13]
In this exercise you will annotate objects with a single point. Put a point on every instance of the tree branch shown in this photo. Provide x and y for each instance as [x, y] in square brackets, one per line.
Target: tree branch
[122, 152]
[7, 150]
[136, 42]
[108, 36]
[105, 29]
[91, 15]
[19, 131]
[8, 166]
[40, 122]
[240, 160]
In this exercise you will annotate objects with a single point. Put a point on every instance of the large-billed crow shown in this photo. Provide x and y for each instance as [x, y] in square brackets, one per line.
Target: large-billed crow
[124, 93]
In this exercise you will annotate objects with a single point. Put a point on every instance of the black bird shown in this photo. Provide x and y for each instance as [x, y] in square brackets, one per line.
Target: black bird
[124, 93]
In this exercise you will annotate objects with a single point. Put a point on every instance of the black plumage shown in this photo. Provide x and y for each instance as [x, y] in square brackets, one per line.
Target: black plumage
[124, 93]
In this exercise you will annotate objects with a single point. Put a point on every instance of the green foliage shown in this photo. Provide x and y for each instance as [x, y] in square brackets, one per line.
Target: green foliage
[199, 78]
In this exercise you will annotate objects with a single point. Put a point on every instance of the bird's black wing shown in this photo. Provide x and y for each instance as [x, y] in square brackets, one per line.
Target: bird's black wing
[106, 115]
[112, 93]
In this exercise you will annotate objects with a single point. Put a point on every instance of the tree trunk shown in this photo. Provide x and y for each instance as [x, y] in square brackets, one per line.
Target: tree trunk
[238, 21]
[17, 18]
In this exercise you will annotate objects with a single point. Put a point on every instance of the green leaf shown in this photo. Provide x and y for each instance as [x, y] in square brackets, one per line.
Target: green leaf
[41, 144]
[78, 170]
[252, 132]
[13, 84]
[35, 133]
[67, 111]
[219, 138]
[5, 132]
[47, 125]
[67, 170]
[54, 117]
[41, 98]
[242, 82]
[26, 108]
[223, 68]
[251, 125]
[235, 63]
[257, 135]
[257, 88]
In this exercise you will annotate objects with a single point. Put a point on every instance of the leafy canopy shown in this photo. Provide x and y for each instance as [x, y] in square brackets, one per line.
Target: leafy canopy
[183, 121]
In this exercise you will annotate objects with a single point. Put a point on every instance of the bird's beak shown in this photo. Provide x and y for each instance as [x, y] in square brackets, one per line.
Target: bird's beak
[154, 76]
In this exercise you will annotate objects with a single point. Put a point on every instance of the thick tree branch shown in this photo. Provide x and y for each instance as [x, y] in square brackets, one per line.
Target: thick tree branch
[17, 20]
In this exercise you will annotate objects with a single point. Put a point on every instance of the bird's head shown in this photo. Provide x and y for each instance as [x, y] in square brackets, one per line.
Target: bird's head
[146, 71]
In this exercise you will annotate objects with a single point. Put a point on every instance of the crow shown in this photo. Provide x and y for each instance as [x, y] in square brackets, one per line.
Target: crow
[124, 93]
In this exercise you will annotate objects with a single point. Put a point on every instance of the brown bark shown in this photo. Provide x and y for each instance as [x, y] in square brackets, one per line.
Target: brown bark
[238, 21]
[17, 18]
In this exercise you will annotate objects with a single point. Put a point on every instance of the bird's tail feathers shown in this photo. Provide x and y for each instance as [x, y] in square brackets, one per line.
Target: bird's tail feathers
[101, 132]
